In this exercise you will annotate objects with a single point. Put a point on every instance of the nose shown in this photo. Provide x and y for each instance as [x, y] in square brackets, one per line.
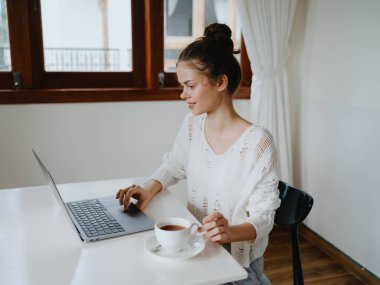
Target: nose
[184, 95]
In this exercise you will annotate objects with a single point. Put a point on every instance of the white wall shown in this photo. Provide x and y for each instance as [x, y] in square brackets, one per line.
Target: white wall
[82, 142]
[336, 106]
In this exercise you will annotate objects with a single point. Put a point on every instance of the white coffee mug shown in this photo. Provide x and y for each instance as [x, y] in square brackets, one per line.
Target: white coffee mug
[173, 234]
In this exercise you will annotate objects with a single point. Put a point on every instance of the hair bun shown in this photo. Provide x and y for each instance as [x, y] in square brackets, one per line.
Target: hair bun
[218, 32]
[221, 33]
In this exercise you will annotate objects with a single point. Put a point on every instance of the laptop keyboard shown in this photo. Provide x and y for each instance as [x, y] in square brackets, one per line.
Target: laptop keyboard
[94, 218]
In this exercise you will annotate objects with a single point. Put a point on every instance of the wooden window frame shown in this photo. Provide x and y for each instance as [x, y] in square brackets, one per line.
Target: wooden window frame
[39, 86]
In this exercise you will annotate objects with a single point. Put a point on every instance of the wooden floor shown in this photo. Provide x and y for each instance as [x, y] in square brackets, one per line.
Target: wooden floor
[318, 268]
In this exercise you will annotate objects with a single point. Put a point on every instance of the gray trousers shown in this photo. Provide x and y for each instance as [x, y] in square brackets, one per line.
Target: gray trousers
[255, 271]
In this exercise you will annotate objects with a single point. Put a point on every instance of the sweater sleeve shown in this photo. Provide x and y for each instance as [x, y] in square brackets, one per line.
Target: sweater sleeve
[174, 163]
[264, 198]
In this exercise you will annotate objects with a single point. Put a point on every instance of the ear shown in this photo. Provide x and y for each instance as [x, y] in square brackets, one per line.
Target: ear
[222, 83]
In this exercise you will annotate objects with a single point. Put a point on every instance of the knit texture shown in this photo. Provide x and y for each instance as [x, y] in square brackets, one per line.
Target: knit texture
[240, 183]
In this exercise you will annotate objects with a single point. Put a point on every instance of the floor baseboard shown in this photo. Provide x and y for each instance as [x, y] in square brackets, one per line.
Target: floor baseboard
[348, 263]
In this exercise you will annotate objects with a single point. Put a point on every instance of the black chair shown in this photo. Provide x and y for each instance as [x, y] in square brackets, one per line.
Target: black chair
[295, 206]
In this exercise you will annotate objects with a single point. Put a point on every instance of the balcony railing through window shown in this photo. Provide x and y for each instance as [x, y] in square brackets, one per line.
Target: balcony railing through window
[77, 59]
[86, 59]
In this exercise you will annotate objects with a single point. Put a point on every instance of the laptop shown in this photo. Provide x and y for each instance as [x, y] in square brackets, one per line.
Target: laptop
[100, 218]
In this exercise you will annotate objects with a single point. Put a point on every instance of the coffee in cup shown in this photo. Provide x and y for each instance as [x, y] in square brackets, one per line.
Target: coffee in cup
[173, 234]
[172, 228]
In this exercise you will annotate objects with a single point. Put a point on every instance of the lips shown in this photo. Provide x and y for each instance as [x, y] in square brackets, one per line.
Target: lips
[190, 105]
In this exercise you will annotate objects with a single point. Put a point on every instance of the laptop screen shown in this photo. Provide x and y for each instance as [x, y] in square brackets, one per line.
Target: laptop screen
[50, 180]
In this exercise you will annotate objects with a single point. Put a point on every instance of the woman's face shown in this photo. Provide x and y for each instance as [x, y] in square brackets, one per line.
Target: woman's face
[201, 95]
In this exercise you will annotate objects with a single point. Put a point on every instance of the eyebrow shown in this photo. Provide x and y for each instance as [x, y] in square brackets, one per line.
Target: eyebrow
[186, 82]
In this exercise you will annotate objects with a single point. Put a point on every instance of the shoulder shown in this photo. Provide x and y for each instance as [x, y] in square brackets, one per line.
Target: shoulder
[258, 133]
[260, 141]
[265, 135]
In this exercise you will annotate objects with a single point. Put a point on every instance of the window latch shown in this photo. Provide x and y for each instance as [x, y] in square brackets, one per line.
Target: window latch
[161, 79]
[16, 79]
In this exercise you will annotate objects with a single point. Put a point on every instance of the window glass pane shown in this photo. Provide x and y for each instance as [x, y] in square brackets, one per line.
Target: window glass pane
[87, 35]
[5, 55]
[185, 20]
[178, 17]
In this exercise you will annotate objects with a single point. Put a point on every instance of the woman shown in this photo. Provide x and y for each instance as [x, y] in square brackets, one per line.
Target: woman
[229, 163]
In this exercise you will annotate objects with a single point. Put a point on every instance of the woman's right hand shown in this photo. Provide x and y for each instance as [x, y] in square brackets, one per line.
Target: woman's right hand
[143, 195]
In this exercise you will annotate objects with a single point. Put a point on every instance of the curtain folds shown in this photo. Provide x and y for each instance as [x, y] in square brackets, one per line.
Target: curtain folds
[266, 27]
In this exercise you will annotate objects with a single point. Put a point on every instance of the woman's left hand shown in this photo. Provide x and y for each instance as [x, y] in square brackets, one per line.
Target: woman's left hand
[215, 228]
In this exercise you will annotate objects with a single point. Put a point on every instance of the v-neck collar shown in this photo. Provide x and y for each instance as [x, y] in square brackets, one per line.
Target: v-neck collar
[230, 148]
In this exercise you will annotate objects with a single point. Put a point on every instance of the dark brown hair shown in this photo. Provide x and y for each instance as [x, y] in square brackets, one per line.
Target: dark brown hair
[213, 54]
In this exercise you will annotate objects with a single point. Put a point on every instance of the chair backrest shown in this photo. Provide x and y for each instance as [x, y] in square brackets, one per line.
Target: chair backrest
[295, 205]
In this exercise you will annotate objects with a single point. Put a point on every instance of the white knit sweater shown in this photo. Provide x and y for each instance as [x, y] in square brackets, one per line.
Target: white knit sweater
[240, 183]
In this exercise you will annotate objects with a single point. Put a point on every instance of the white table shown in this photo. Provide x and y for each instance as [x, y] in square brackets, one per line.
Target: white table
[38, 245]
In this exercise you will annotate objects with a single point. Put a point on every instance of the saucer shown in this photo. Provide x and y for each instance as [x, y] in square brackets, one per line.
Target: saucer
[189, 250]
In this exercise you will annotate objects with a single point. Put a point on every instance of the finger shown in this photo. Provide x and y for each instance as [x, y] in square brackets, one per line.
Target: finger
[127, 197]
[118, 193]
[137, 200]
[136, 196]
[213, 216]
[214, 232]
[213, 224]
[121, 195]
[209, 226]
[221, 238]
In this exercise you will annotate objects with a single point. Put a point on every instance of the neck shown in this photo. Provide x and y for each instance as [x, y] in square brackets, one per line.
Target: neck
[222, 117]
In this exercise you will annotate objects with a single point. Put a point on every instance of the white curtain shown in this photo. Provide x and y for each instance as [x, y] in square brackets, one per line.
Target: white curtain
[266, 27]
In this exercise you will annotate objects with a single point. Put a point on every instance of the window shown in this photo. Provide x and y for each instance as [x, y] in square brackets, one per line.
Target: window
[96, 49]
[5, 55]
[117, 50]
[96, 44]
